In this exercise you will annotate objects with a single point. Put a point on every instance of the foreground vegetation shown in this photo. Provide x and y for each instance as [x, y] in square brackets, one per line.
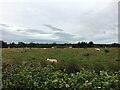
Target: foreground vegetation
[20, 77]
[77, 69]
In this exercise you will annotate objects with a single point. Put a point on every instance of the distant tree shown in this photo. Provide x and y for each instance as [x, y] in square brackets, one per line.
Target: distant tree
[21, 44]
[79, 44]
[91, 44]
[4, 44]
[54, 43]
[0, 44]
[12, 45]
[32, 44]
[115, 45]
[83, 44]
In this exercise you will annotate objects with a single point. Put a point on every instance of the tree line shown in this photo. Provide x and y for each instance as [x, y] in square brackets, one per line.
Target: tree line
[90, 44]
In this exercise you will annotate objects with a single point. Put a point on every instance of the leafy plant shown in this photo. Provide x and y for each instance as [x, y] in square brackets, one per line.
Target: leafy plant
[26, 77]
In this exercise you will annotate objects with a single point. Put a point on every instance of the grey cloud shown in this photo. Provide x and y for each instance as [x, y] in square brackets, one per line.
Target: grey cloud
[43, 40]
[64, 35]
[53, 28]
[19, 30]
[23, 35]
[5, 28]
[67, 21]
[67, 37]
[4, 25]
[48, 41]
[32, 31]
[36, 31]
[9, 36]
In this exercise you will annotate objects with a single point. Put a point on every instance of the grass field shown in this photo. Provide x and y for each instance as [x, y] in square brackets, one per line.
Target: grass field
[77, 69]
[87, 58]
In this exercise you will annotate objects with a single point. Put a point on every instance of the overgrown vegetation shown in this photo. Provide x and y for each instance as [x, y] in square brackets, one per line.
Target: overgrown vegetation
[107, 51]
[21, 77]
[77, 69]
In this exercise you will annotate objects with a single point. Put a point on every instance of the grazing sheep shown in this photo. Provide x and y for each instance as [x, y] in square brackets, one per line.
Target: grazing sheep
[51, 61]
[97, 49]
[70, 46]
[52, 47]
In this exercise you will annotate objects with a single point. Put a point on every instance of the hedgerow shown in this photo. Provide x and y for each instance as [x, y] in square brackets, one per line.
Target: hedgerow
[21, 77]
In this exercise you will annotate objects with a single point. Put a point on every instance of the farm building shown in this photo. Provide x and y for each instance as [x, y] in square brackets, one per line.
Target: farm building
[59, 46]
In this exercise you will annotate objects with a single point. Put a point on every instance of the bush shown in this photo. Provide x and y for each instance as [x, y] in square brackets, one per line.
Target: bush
[72, 66]
[98, 67]
[106, 51]
[43, 63]
[87, 54]
[27, 77]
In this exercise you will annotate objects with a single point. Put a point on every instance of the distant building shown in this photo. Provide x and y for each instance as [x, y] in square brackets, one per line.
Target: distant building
[70, 46]
[59, 46]
[53, 47]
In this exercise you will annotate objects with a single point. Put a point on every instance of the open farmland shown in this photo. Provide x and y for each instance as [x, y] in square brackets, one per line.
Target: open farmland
[77, 68]
[87, 58]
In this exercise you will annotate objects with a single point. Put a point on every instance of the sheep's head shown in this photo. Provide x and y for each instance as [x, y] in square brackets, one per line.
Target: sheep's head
[47, 59]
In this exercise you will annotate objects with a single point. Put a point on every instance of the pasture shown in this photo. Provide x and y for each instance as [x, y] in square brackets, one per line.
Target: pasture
[87, 58]
[76, 69]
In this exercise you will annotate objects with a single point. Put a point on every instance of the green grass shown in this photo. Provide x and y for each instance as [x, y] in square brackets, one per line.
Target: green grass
[77, 69]
[87, 58]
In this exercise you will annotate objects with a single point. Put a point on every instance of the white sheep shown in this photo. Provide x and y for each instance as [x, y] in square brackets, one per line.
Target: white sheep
[52, 47]
[97, 49]
[51, 61]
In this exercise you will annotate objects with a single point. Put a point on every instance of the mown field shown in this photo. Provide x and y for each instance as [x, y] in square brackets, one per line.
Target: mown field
[77, 68]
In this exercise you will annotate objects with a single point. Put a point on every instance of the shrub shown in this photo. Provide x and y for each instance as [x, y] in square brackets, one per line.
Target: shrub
[118, 60]
[38, 78]
[86, 54]
[72, 66]
[98, 67]
[106, 51]
[43, 63]
[33, 58]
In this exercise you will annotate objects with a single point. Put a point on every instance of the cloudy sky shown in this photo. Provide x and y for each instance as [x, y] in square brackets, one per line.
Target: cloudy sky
[60, 21]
